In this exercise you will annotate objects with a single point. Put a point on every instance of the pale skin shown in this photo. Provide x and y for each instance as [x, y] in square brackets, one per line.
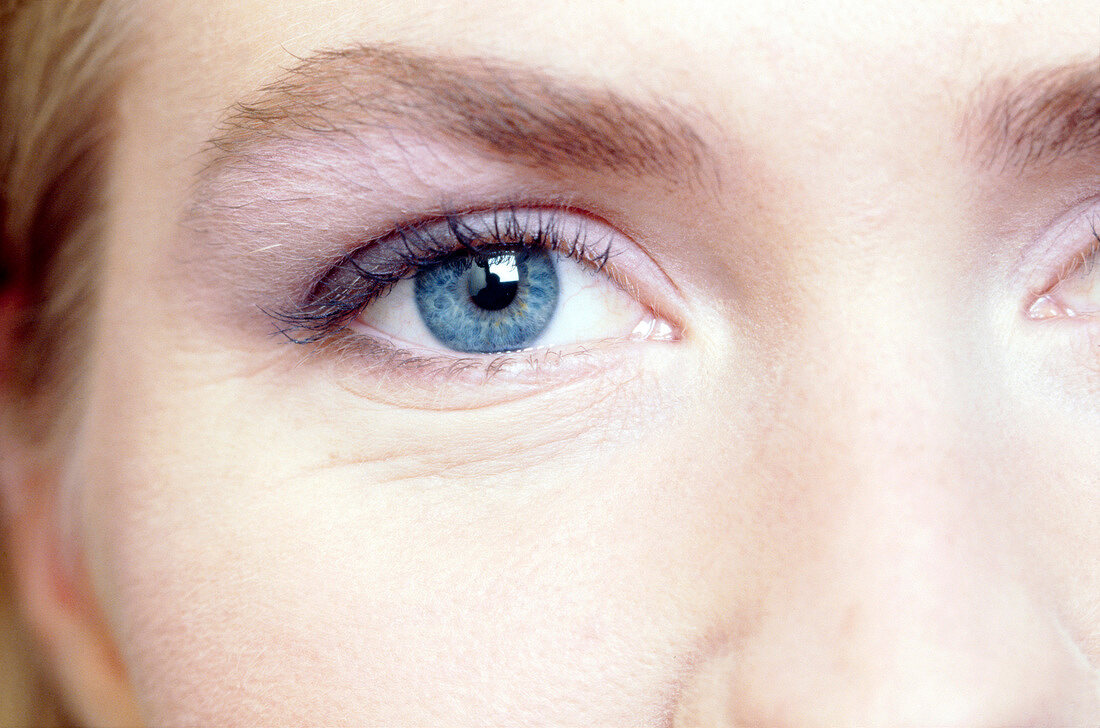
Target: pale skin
[858, 486]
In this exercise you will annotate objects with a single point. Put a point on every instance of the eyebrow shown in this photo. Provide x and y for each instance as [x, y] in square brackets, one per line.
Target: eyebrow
[536, 119]
[523, 116]
[1019, 124]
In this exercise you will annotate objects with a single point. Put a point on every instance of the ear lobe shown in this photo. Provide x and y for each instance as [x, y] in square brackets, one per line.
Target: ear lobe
[58, 605]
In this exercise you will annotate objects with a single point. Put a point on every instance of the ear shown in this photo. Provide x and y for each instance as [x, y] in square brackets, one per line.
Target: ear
[57, 601]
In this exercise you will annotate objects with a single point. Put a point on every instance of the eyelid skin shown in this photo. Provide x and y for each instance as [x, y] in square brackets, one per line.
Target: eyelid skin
[257, 241]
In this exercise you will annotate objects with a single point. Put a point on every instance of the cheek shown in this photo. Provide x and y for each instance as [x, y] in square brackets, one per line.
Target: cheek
[339, 604]
[254, 573]
[249, 579]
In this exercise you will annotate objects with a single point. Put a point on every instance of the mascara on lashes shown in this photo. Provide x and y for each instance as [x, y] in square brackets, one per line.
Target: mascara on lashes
[369, 272]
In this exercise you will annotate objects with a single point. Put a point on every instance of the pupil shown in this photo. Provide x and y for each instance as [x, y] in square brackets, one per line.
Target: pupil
[493, 283]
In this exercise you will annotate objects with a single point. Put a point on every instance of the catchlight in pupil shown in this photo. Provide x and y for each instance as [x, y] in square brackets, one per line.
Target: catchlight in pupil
[493, 283]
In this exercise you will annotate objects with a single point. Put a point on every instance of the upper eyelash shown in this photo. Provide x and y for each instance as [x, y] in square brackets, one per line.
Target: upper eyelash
[1084, 259]
[351, 284]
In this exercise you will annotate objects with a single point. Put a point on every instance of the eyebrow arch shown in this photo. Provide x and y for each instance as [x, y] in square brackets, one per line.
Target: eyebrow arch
[1021, 124]
[520, 115]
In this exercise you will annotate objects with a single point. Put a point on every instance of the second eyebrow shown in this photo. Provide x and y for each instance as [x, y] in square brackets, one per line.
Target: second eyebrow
[1020, 124]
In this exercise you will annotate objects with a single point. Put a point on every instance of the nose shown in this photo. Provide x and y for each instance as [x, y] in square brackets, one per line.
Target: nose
[903, 605]
[907, 611]
[903, 631]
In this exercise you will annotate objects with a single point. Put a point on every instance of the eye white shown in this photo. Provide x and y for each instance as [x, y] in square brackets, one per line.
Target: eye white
[591, 308]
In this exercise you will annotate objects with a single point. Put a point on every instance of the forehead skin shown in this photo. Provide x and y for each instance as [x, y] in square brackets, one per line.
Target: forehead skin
[856, 435]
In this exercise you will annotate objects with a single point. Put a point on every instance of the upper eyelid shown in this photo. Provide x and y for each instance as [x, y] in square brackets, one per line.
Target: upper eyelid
[1056, 253]
[541, 225]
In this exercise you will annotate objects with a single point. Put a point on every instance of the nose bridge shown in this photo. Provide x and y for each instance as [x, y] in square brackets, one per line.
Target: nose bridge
[883, 396]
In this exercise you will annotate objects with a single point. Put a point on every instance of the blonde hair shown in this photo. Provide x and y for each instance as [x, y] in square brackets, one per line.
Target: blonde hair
[60, 67]
[26, 699]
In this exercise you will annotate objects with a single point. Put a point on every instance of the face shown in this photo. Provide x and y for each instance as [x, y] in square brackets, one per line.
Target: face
[600, 365]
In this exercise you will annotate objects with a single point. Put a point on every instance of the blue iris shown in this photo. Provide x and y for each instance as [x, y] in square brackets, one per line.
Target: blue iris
[489, 302]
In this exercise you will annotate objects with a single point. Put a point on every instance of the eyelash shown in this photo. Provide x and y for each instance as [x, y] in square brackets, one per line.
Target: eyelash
[363, 276]
[1083, 260]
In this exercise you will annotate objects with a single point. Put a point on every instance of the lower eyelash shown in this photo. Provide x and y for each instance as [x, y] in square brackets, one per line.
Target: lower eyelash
[346, 345]
[366, 274]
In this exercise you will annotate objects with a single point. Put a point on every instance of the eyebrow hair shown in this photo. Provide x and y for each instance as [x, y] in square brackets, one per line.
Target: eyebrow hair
[1021, 124]
[524, 116]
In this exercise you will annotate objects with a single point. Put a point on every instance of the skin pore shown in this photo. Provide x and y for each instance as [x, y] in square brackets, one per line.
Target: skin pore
[855, 487]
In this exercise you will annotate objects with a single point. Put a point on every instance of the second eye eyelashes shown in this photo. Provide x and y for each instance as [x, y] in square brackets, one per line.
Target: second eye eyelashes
[368, 273]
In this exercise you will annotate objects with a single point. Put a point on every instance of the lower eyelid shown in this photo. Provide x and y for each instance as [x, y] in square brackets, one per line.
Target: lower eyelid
[379, 371]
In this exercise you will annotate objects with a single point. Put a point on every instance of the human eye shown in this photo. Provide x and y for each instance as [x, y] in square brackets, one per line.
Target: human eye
[1061, 277]
[1074, 291]
[495, 291]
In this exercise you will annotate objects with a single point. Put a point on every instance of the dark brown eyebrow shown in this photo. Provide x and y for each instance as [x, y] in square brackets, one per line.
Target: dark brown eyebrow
[521, 115]
[1025, 123]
